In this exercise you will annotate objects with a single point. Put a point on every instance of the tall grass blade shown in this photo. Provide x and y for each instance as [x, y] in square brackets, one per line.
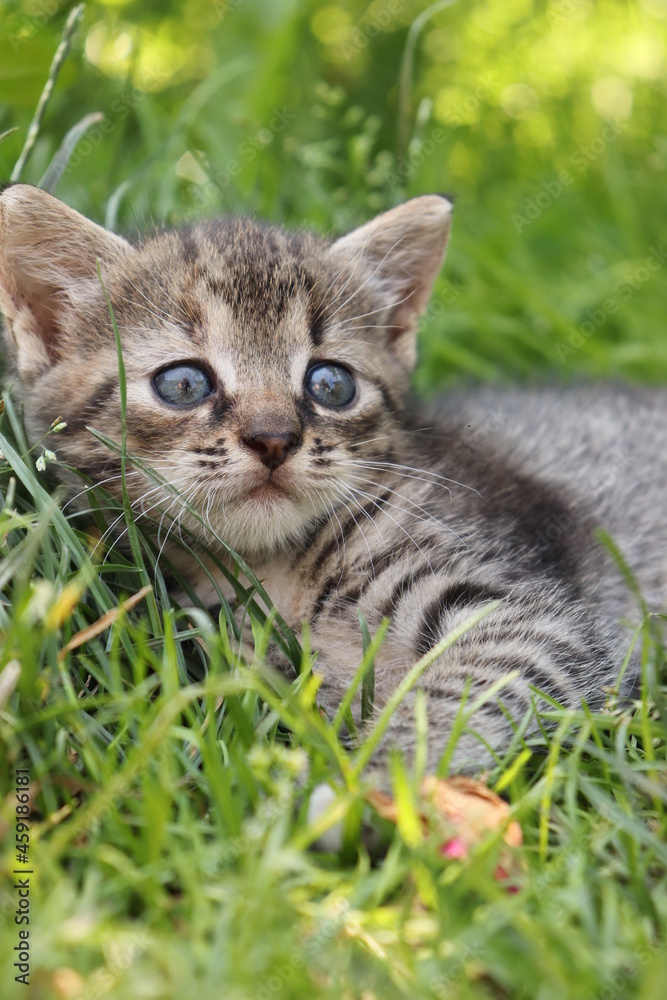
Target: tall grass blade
[63, 154]
[62, 51]
[132, 533]
[367, 750]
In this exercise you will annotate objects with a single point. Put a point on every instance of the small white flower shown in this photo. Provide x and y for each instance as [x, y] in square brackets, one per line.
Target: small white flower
[50, 456]
[40, 464]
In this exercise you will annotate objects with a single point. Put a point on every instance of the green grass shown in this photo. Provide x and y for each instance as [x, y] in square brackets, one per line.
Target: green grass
[169, 833]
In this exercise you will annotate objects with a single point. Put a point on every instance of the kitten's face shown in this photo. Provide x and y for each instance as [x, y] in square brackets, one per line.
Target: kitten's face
[261, 367]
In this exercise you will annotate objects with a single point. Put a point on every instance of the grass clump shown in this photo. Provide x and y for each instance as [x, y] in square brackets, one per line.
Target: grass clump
[171, 782]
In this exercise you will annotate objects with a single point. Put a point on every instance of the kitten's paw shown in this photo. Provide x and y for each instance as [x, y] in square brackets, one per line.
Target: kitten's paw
[331, 840]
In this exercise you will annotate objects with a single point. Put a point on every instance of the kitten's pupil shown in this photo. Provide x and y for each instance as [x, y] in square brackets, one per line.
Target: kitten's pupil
[331, 385]
[182, 385]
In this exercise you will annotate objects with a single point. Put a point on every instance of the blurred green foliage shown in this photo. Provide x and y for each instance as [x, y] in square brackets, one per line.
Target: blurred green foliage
[545, 119]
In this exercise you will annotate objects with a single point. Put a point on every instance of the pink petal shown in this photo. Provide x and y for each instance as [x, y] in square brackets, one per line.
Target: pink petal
[501, 875]
[454, 848]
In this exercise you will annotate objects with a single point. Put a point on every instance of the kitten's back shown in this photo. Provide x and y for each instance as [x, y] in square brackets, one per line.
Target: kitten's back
[601, 447]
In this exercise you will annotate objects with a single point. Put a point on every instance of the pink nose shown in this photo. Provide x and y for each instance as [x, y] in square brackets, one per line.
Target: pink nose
[272, 448]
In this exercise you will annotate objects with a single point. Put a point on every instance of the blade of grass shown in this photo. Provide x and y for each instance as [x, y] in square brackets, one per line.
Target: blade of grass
[71, 25]
[361, 671]
[368, 683]
[8, 132]
[132, 533]
[63, 154]
[551, 771]
[165, 714]
[366, 751]
[630, 579]
[103, 623]
[44, 502]
[407, 66]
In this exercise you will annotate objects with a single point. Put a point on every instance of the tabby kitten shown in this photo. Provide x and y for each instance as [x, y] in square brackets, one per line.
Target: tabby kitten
[268, 377]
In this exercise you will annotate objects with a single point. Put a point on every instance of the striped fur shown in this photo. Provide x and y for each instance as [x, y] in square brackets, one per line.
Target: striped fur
[420, 516]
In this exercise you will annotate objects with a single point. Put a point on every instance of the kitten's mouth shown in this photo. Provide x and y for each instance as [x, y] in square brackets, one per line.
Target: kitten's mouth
[266, 493]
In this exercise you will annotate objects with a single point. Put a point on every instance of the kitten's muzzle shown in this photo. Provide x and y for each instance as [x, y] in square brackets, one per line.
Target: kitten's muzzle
[271, 447]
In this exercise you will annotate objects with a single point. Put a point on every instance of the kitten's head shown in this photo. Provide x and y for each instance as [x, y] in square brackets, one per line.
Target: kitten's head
[261, 365]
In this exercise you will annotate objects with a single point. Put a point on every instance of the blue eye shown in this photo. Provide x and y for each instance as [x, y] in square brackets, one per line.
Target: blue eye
[182, 385]
[330, 385]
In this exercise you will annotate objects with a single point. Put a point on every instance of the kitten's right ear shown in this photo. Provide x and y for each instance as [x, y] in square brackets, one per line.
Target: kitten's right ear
[48, 255]
[400, 252]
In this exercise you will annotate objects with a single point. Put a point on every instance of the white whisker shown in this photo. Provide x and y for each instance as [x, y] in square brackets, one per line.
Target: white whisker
[369, 278]
[381, 507]
[345, 495]
[379, 466]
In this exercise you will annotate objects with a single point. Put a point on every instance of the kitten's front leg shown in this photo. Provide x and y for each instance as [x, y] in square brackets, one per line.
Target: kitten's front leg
[551, 645]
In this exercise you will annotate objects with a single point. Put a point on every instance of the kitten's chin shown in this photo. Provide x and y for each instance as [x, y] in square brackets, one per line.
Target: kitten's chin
[267, 497]
[266, 521]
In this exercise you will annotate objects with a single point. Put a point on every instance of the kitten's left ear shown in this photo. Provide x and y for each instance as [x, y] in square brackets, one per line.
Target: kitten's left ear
[48, 255]
[401, 252]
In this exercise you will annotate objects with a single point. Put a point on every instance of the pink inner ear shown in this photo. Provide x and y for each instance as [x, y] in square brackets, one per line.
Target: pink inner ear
[41, 300]
[44, 311]
[395, 332]
[406, 313]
